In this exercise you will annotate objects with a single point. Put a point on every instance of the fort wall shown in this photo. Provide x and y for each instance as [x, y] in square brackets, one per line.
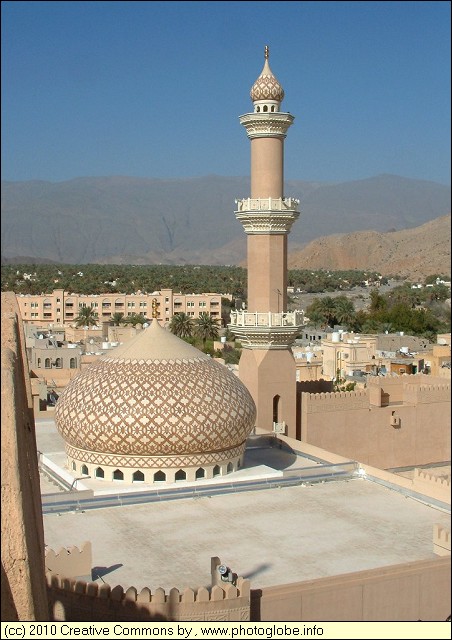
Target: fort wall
[23, 577]
[390, 424]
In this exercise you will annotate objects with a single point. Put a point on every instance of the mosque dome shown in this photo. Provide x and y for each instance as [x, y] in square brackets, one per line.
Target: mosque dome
[155, 404]
[267, 86]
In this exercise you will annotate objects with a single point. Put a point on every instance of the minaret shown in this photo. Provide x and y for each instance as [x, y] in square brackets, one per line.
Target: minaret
[265, 329]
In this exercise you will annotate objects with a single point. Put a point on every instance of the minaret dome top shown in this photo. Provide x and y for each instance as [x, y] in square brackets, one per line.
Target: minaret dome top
[267, 88]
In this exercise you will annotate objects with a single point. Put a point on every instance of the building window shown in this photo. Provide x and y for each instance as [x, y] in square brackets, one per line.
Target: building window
[58, 363]
[216, 470]
[118, 475]
[39, 363]
[72, 363]
[99, 473]
[47, 363]
[180, 475]
[230, 468]
[74, 466]
[138, 476]
[200, 473]
[84, 470]
[159, 476]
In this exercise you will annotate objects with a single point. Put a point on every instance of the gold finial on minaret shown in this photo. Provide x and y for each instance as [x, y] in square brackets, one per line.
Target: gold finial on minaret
[154, 308]
[266, 52]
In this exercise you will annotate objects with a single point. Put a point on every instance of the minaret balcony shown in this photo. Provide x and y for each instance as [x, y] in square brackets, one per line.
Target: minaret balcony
[266, 330]
[266, 125]
[267, 215]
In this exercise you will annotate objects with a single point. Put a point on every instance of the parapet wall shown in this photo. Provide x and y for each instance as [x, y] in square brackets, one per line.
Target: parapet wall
[438, 486]
[75, 600]
[426, 393]
[335, 401]
[406, 592]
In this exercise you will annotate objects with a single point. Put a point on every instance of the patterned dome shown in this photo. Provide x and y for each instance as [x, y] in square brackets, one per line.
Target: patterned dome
[267, 86]
[155, 395]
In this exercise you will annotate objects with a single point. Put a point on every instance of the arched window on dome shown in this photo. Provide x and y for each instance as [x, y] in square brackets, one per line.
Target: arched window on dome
[58, 363]
[159, 476]
[118, 475]
[238, 464]
[273, 109]
[39, 363]
[72, 363]
[265, 108]
[84, 470]
[99, 473]
[74, 466]
[47, 363]
[258, 109]
[216, 470]
[230, 468]
[180, 475]
[138, 476]
[200, 473]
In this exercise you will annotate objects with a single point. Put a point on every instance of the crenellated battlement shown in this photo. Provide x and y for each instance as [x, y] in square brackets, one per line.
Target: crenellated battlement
[441, 540]
[70, 562]
[426, 476]
[70, 597]
[425, 393]
[335, 400]
[437, 486]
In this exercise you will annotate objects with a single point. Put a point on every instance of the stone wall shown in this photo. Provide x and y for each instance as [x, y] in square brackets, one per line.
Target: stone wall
[23, 576]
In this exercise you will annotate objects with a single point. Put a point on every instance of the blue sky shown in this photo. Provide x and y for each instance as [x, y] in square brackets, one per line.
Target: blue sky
[155, 89]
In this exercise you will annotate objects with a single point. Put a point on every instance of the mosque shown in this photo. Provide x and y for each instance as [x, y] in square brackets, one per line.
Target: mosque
[156, 413]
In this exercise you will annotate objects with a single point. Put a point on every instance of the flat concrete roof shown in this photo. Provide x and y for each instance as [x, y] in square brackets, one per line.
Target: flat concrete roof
[272, 536]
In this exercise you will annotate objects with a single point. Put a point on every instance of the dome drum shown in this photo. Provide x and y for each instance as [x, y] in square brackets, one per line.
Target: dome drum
[154, 469]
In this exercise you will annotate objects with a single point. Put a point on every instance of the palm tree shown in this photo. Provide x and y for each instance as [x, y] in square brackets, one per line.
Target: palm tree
[344, 310]
[87, 317]
[206, 328]
[117, 318]
[181, 325]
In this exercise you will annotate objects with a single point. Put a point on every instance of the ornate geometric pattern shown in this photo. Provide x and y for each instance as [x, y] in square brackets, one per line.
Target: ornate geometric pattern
[267, 86]
[160, 462]
[155, 408]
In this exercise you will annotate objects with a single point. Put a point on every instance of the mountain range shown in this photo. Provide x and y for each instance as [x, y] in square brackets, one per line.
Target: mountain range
[191, 221]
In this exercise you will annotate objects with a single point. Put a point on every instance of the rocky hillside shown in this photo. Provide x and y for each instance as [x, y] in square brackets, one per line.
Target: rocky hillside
[412, 253]
[180, 221]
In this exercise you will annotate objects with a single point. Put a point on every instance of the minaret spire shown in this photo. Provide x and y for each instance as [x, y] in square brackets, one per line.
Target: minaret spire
[266, 52]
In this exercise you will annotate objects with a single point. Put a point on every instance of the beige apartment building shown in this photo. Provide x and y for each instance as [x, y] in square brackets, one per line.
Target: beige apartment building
[61, 307]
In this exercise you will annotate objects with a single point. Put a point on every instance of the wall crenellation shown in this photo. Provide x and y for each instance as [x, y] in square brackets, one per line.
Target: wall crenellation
[159, 596]
[74, 599]
[335, 400]
[425, 476]
[425, 393]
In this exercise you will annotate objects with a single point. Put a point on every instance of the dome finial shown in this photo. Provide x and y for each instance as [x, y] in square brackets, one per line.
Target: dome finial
[266, 52]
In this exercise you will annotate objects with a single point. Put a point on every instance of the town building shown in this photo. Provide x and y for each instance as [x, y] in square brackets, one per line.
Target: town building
[61, 307]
